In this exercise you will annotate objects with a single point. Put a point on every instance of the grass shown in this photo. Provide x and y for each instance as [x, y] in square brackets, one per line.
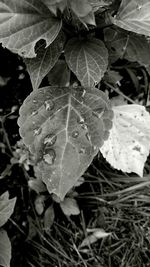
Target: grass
[116, 202]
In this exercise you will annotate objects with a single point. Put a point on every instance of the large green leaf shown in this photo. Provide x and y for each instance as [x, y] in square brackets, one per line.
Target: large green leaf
[23, 23]
[134, 15]
[88, 59]
[132, 47]
[6, 207]
[5, 249]
[63, 128]
[46, 58]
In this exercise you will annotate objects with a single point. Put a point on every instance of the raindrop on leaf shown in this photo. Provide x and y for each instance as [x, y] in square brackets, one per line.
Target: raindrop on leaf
[37, 131]
[75, 134]
[50, 139]
[49, 158]
[49, 105]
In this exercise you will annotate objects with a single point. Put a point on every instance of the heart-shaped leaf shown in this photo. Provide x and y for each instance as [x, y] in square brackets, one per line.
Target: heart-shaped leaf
[88, 59]
[134, 16]
[46, 58]
[5, 249]
[128, 145]
[6, 207]
[63, 127]
[23, 23]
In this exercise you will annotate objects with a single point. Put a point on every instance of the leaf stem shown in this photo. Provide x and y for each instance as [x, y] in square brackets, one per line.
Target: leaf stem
[120, 93]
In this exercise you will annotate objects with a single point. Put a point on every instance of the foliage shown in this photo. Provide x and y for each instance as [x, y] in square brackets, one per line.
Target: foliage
[71, 50]
[64, 126]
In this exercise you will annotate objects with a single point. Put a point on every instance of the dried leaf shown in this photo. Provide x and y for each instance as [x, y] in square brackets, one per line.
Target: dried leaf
[128, 145]
[92, 238]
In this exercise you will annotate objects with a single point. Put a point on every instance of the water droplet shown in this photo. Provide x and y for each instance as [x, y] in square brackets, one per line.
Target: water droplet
[34, 112]
[82, 150]
[84, 126]
[75, 134]
[37, 131]
[49, 158]
[49, 105]
[81, 120]
[88, 137]
[139, 7]
[50, 139]
[34, 101]
[94, 147]
[84, 92]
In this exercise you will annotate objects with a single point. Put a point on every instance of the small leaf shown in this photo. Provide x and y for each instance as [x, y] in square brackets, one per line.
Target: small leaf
[132, 47]
[46, 58]
[37, 185]
[80, 8]
[24, 23]
[39, 204]
[89, 19]
[128, 145]
[5, 249]
[63, 127]
[6, 207]
[134, 16]
[59, 74]
[92, 238]
[69, 206]
[49, 217]
[88, 59]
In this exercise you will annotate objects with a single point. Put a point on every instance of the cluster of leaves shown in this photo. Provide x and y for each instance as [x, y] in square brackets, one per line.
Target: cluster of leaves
[73, 44]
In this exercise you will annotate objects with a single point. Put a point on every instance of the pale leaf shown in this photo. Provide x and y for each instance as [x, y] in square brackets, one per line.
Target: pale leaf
[24, 23]
[5, 249]
[94, 237]
[128, 144]
[134, 15]
[69, 206]
[88, 59]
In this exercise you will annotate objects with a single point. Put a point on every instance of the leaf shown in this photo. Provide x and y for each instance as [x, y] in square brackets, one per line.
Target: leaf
[24, 23]
[39, 204]
[6, 207]
[134, 16]
[53, 5]
[63, 127]
[80, 8]
[49, 217]
[122, 44]
[89, 19]
[92, 238]
[97, 4]
[69, 206]
[59, 74]
[5, 249]
[37, 185]
[128, 145]
[46, 58]
[88, 59]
